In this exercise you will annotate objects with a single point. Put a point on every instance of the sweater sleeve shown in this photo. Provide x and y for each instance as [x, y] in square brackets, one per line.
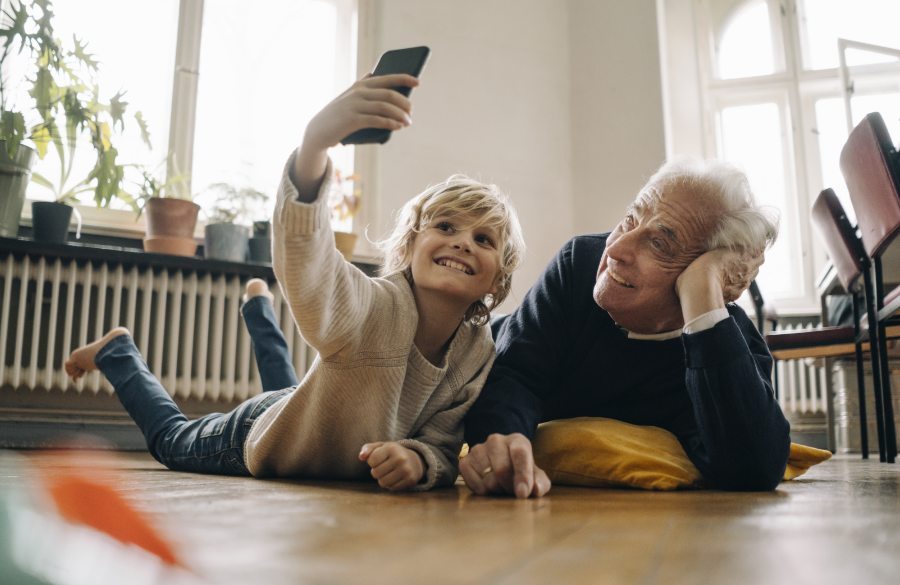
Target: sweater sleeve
[328, 296]
[531, 348]
[742, 439]
[440, 439]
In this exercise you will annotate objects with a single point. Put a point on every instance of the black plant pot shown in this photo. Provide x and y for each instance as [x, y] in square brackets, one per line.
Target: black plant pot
[262, 229]
[50, 221]
[261, 250]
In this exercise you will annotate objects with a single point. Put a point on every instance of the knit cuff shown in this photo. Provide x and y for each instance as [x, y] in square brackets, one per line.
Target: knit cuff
[721, 344]
[295, 216]
[435, 467]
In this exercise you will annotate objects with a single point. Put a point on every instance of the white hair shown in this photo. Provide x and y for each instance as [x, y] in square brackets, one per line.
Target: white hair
[743, 224]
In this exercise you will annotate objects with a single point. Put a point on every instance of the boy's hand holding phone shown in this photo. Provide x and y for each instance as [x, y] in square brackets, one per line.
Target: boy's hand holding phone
[368, 103]
[394, 466]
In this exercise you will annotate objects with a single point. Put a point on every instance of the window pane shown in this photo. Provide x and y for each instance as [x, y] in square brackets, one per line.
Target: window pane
[136, 59]
[261, 80]
[752, 138]
[867, 21]
[831, 124]
[745, 49]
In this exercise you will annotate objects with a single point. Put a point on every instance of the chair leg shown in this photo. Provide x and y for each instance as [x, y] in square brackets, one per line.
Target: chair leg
[890, 432]
[876, 369]
[861, 384]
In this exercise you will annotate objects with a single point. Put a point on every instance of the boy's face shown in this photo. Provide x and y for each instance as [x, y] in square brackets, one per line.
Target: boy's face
[451, 258]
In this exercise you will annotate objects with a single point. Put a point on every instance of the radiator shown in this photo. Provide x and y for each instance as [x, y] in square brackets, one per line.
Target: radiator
[187, 326]
[802, 383]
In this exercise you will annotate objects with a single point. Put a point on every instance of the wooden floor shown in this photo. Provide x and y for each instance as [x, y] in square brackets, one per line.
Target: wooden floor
[838, 524]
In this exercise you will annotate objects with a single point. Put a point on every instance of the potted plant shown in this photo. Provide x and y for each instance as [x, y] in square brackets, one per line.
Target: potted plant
[344, 201]
[66, 108]
[171, 215]
[261, 242]
[225, 239]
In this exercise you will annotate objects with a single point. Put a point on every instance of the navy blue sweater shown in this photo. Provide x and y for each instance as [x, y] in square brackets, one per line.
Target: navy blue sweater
[559, 355]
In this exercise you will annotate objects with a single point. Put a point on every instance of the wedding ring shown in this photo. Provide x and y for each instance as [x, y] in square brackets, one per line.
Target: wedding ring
[485, 472]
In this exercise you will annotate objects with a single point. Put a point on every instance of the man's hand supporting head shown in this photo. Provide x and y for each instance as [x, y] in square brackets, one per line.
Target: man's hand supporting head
[504, 464]
[715, 278]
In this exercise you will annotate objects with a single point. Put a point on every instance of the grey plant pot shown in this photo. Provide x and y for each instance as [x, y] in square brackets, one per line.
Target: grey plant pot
[226, 241]
[15, 175]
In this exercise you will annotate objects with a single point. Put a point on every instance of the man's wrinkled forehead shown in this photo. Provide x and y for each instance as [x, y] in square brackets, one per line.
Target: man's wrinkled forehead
[688, 226]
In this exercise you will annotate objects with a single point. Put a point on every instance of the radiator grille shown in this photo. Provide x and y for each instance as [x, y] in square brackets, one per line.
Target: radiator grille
[187, 326]
[802, 383]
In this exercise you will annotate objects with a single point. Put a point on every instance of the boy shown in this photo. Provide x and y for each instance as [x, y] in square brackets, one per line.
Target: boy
[401, 358]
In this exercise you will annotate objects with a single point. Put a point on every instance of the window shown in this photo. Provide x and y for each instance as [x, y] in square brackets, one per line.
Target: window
[126, 63]
[260, 71]
[774, 104]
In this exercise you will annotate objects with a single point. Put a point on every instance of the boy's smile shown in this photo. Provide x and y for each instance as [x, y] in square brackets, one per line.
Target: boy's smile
[453, 259]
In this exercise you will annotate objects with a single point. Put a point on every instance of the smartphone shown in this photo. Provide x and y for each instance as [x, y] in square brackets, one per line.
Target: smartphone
[411, 61]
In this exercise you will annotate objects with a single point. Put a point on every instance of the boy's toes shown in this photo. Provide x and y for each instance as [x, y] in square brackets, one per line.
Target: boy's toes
[258, 287]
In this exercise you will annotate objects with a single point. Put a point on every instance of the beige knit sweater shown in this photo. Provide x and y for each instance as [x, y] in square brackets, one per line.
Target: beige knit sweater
[369, 382]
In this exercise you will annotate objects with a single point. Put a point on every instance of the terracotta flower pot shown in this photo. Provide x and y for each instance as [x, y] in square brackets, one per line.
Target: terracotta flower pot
[170, 226]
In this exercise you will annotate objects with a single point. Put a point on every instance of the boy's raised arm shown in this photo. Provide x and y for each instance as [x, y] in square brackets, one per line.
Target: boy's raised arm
[368, 103]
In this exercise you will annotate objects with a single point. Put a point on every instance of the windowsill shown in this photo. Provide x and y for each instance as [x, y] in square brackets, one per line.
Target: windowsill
[123, 223]
[119, 223]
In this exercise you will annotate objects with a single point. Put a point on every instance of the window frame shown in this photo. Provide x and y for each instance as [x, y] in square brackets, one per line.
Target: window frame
[186, 75]
[802, 89]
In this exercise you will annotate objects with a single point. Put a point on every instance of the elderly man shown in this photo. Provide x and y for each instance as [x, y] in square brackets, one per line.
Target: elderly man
[635, 325]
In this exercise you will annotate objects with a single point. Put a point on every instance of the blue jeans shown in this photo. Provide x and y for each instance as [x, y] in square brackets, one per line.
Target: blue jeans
[272, 354]
[213, 443]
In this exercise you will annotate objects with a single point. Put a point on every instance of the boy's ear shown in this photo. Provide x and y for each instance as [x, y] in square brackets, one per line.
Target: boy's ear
[495, 287]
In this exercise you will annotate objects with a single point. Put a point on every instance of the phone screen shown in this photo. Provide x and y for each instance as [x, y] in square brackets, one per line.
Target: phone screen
[410, 61]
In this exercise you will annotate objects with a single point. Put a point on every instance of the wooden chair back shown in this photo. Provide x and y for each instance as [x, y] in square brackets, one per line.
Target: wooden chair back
[846, 251]
[869, 165]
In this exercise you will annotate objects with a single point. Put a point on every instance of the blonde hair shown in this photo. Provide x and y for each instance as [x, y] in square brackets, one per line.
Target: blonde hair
[459, 195]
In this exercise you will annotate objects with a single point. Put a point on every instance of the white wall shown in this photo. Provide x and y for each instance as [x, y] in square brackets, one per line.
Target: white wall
[618, 136]
[557, 102]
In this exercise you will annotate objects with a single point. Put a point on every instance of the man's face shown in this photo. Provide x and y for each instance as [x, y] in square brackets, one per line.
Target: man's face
[662, 233]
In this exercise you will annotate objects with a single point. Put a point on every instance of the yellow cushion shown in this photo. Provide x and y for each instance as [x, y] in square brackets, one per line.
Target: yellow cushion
[601, 452]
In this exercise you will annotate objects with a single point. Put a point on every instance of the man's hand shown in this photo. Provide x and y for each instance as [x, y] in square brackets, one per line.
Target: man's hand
[368, 103]
[394, 466]
[715, 278]
[504, 464]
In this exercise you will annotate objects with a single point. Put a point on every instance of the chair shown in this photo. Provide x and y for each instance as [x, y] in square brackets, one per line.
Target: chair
[850, 261]
[869, 163]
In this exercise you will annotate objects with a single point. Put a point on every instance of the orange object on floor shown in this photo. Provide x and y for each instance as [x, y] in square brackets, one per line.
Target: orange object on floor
[99, 506]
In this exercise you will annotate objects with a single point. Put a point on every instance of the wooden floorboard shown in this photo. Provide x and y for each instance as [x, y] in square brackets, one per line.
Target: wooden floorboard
[840, 523]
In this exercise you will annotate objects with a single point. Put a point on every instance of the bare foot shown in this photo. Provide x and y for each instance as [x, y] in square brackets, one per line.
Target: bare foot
[82, 359]
[258, 287]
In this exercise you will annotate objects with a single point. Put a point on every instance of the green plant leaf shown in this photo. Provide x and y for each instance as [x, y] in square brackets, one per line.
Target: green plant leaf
[12, 129]
[19, 20]
[82, 55]
[40, 135]
[40, 180]
[109, 177]
[45, 93]
[145, 134]
[44, 42]
[78, 116]
[117, 110]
